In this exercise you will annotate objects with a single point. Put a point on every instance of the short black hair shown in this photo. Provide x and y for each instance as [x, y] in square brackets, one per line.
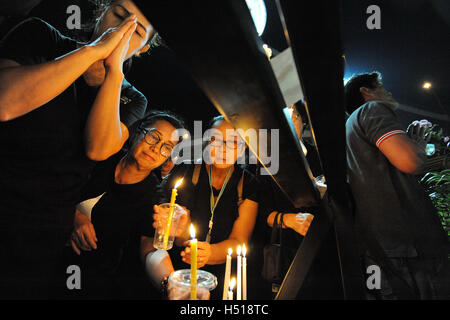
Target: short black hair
[353, 96]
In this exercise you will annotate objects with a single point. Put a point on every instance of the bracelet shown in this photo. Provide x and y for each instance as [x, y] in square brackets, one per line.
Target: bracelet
[164, 285]
[282, 221]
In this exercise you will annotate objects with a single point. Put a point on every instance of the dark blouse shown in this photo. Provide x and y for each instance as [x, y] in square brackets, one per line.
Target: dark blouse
[120, 217]
[197, 199]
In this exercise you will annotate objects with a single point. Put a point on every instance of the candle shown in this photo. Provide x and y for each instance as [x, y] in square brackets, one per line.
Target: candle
[193, 244]
[244, 273]
[171, 210]
[227, 274]
[239, 274]
[230, 290]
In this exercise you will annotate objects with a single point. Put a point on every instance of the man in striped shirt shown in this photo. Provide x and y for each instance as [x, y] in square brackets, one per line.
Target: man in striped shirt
[398, 227]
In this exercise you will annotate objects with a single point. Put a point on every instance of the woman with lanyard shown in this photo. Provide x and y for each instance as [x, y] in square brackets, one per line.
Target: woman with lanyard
[59, 112]
[222, 199]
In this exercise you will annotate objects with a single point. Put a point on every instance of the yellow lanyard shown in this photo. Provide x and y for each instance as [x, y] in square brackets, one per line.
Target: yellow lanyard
[213, 204]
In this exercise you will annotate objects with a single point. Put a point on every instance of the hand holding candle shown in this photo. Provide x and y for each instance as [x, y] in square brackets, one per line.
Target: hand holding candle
[193, 245]
[171, 210]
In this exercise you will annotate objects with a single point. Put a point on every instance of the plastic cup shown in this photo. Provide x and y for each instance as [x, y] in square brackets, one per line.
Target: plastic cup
[158, 240]
[180, 284]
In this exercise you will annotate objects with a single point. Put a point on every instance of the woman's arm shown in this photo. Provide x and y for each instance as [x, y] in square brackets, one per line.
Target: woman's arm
[240, 234]
[299, 222]
[24, 88]
[157, 262]
[105, 133]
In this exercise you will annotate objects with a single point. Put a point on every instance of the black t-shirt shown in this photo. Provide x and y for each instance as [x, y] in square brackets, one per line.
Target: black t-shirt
[43, 156]
[120, 217]
[391, 205]
[197, 199]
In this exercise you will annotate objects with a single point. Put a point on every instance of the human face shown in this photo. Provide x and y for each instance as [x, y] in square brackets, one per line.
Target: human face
[115, 14]
[225, 146]
[148, 156]
[383, 95]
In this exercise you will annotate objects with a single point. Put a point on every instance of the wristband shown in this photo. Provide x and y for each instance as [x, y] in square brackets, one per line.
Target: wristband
[164, 285]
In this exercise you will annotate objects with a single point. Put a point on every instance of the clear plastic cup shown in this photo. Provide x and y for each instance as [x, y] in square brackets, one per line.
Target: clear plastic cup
[180, 284]
[158, 240]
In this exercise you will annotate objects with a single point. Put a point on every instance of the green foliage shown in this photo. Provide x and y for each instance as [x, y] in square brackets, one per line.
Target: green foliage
[440, 141]
[437, 186]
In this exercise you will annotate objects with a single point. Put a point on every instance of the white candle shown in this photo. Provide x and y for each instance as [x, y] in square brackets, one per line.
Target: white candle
[230, 290]
[244, 273]
[193, 244]
[226, 282]
[239, 274]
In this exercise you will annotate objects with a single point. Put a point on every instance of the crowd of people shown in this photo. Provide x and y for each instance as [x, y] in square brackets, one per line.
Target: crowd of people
[85, 164]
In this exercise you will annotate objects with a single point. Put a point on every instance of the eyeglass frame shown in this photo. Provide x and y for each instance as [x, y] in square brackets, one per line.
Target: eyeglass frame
[240, 144]
[152, 131]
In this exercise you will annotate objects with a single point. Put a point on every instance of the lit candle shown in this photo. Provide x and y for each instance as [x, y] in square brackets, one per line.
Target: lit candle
[171, 210]
[244, 273]
[227, 274]
[193, 244]
[239, 274]
[230, 290]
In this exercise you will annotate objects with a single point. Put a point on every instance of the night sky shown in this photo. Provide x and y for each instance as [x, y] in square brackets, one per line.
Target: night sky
[411, 47]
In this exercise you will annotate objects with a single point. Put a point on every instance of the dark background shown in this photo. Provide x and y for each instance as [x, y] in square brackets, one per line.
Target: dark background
[411, 47]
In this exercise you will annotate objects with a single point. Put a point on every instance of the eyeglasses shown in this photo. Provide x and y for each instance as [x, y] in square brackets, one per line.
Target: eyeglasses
[152, 138]
[229, 144]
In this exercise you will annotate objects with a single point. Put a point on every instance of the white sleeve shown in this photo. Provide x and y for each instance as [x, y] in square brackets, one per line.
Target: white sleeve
[86, 206]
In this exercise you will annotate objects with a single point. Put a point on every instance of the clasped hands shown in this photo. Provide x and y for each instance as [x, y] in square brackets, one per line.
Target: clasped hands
[112, 46]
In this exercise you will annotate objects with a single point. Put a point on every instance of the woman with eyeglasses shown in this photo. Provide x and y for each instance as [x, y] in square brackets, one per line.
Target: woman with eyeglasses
[222, 199]
[120, 229]
[61, 111]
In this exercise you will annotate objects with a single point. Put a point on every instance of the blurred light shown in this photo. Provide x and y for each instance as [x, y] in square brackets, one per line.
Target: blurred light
[259, 14]
[346, 80]
[430, 149]
[426, 85]
[267, 50]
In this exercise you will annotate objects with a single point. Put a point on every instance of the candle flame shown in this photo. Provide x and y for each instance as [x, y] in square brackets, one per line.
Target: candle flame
[178, 183]
[238, 251]
[244, 250]
[232, 283]
[230, 251]
[192, 229]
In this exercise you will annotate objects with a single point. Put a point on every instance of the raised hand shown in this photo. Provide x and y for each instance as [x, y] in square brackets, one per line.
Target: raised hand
[419, 132]
[111, 38]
